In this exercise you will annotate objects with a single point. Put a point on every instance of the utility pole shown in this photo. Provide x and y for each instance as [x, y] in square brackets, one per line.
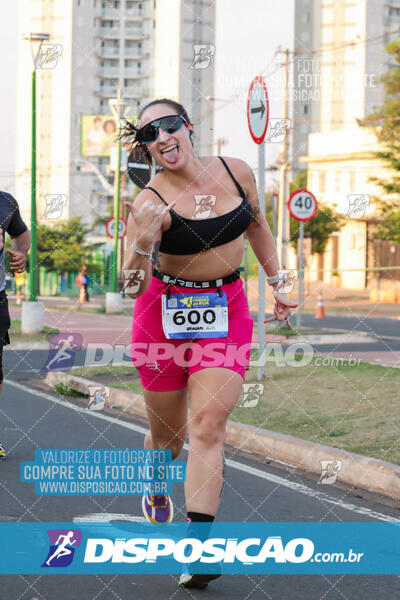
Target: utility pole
[283, 213]
[219, 143]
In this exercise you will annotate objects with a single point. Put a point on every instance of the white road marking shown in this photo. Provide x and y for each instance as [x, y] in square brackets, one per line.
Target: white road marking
[281, 481]
[107, 517]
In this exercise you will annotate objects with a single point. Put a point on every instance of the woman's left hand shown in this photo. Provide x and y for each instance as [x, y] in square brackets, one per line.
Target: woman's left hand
[282, 308]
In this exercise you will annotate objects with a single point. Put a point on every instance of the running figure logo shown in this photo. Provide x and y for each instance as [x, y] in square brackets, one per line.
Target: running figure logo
[358, 204]
[55, 204]
[204, 202]
[287, 280]
[62, 547]
[154, 366]
[62, 351]
[48, 56]
[277, 130]
[251, 395]
[202, 56]
[98, 397]
[329, 471]
[133, 279]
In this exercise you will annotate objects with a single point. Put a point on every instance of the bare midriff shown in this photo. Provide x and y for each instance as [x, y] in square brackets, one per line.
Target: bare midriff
[210, 264]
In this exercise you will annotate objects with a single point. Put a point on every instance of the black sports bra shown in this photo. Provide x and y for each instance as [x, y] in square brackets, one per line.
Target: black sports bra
[190, 236]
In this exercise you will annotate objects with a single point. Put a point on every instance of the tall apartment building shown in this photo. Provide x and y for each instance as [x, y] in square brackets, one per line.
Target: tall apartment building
[339, 60]
[144, 47]
[346, 61]
[306, 88]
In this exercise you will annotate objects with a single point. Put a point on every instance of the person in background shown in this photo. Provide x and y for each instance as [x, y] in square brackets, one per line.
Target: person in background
[11, 223]
[20, 280]
[85, 283]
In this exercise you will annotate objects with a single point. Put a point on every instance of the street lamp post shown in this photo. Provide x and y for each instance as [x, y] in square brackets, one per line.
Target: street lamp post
[113, 300]
[32, 317]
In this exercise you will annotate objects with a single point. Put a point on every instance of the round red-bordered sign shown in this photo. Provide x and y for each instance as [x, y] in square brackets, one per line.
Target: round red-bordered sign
[121, 229]
[258, 109]
[302, 212]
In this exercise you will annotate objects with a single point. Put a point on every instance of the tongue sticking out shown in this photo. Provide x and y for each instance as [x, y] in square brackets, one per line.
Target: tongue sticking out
[172, 155]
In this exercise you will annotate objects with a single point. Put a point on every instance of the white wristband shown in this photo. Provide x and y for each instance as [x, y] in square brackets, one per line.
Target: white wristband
[142, 252]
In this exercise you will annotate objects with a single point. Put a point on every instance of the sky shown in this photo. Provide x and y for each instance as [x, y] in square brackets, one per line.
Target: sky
[247, 36]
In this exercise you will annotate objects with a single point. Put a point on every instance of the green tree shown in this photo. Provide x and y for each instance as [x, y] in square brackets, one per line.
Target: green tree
[386, 123]
[64, 248]
[325, 222]
[299, 182]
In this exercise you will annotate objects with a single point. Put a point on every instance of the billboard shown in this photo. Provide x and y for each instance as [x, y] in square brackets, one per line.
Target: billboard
[98, 135]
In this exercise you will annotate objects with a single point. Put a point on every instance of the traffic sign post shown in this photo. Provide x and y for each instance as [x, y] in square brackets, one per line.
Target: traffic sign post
[302, 207]
[257, 119]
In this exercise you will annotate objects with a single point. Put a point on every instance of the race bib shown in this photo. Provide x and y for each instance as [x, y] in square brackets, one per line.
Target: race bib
[195, 315]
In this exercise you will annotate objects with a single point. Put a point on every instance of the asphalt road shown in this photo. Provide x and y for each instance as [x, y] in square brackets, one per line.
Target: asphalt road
[374, 326]
[254, 491]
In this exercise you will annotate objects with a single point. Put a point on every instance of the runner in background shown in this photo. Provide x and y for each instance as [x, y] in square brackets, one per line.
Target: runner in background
[20, 281]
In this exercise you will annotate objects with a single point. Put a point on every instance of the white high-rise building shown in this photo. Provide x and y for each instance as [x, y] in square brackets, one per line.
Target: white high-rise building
[146, 48]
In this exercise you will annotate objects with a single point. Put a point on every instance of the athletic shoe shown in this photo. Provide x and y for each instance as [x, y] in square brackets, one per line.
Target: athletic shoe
[158, 509]
[198, 580]
[2, 452]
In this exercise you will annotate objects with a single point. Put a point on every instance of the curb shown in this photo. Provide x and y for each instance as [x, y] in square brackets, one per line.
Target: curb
[359, 471]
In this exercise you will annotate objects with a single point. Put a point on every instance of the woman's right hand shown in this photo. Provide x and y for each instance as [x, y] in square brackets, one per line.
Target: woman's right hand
[148, 220]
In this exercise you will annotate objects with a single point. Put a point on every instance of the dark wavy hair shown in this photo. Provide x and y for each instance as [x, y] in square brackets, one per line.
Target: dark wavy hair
[128, 132]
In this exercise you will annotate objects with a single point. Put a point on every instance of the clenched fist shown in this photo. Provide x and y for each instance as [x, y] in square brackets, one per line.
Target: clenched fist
[17, 260]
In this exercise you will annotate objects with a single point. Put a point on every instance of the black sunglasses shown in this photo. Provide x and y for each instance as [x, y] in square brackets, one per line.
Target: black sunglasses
[149, 133]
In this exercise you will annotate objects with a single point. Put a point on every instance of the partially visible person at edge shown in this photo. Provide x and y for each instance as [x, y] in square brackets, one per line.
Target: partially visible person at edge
[11, 223]
[179, 249]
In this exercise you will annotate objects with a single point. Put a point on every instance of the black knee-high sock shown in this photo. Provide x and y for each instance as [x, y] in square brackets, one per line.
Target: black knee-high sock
[199, 517]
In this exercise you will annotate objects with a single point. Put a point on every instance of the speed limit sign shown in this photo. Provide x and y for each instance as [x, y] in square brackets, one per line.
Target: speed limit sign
[110, 228]
[302, 205]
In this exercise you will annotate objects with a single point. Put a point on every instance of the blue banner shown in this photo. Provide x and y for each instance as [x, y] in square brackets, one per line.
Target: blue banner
[229, 548]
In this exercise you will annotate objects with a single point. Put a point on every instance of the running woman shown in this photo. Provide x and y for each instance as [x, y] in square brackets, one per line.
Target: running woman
[10, 222]
[187, 257]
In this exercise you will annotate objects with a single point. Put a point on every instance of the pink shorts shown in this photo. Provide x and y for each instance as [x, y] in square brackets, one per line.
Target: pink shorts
[166, 364]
